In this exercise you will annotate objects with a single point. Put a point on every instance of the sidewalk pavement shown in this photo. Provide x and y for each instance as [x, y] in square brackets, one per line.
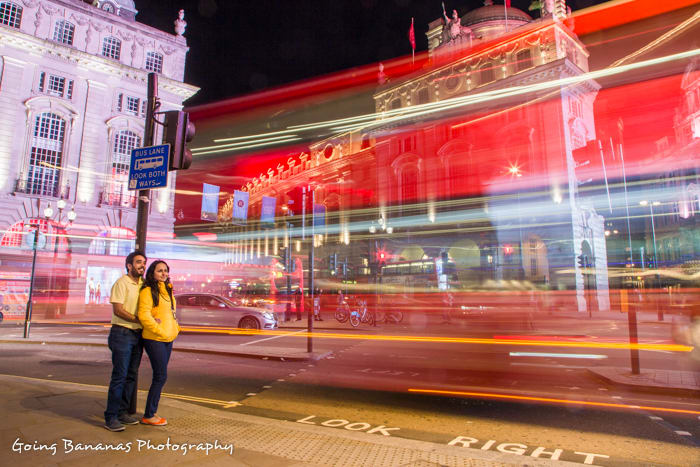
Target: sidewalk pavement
[686, 383]
[59, 423]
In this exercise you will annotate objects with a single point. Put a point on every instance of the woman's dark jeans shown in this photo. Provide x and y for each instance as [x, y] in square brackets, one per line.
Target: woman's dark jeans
[159, 354]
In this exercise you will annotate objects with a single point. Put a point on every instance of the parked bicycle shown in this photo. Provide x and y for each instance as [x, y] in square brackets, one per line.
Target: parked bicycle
[361, 314]
[392, 317]
[342, 312]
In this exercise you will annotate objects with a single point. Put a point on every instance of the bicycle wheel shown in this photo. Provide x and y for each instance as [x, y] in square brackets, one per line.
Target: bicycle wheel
[355, 319]
[395, 317]
[370, 318]
[341, 314]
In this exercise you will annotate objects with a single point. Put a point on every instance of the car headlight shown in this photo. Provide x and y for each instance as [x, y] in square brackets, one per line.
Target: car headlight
[269, 316]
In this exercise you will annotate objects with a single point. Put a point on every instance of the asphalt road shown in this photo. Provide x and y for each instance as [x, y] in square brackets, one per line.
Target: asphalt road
[364, 384]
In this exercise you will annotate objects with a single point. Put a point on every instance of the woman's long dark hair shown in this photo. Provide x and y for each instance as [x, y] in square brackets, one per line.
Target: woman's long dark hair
[152, 282]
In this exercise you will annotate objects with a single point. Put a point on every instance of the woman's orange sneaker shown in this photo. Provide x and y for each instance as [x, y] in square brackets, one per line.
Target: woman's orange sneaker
[154, 421]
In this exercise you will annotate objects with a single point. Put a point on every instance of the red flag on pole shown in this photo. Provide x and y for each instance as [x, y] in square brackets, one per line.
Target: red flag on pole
[412, 36]
[507, 3]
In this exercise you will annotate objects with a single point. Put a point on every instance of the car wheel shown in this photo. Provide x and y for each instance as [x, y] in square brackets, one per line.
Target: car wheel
[249, 322]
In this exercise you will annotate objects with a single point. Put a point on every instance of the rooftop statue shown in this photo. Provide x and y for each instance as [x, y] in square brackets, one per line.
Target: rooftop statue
[454, 31]
[180, 23]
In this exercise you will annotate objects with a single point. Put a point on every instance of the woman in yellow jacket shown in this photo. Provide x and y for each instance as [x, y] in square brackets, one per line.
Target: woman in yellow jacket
[157, 315]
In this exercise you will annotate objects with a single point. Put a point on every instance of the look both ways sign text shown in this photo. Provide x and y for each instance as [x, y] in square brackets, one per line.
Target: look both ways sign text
[149, 167]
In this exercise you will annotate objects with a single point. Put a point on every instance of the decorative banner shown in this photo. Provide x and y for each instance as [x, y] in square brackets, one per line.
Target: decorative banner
[240, 206]
[319, 215]
[267, 213]
[210, 202]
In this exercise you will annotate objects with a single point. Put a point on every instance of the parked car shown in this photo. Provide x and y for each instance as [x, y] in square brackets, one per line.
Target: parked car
[215, 310]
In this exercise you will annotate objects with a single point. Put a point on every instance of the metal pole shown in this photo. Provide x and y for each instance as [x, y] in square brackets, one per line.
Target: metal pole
[631, 314]
[659, 310]
[288, 264]
[28, 315]
[143, 196]
[627, 206]
[634, 352]
[587, 285]
[310, 314]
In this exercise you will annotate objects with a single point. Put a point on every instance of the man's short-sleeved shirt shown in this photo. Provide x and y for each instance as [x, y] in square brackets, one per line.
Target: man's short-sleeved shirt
[126, 292]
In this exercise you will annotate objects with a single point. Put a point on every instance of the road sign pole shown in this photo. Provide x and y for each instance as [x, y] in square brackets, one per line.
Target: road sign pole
[144, 195]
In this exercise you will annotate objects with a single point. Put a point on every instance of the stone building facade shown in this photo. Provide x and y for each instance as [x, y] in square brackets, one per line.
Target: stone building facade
[73, 84]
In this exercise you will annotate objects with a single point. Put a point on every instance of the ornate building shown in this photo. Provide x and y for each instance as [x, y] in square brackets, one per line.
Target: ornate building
[477, 176]
[73, 89]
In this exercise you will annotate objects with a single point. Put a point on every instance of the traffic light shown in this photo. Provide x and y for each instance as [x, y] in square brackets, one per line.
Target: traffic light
[333, 263]
[582, 261]
[178, 132]
[283, 256]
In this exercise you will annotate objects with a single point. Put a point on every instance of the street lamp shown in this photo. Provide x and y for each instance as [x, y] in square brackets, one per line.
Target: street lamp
[48, 215]
[659, 311]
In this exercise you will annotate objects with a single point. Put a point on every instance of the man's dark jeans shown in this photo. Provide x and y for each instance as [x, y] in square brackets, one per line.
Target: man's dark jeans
[127, 348]
[159, 355]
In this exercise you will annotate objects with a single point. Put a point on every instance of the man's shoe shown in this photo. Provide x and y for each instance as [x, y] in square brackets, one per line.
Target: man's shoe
[114, 425]
[127, 419]
[154, 421]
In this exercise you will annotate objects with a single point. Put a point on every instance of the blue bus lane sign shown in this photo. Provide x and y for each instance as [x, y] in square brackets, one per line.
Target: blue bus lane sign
[149, 167]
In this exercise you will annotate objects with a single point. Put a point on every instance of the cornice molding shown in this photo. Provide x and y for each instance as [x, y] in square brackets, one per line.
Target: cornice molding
[26, 42]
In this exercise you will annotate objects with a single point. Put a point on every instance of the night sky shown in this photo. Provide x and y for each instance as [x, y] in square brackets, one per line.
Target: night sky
[242, 46]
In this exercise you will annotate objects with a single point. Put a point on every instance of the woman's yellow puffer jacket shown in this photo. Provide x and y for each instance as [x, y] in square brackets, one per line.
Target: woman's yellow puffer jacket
[165, 329]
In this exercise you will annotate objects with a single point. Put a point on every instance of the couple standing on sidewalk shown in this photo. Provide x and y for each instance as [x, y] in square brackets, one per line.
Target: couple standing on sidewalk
[143, 317]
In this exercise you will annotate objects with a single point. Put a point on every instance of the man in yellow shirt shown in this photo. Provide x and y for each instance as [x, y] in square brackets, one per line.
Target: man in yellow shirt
[125, 342]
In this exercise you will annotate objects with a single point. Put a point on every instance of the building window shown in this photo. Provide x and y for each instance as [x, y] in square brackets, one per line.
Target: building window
[57, 85]
[154, 62]
[523, 60]
[458, 173]
[124, 142]
[486, 73]
[409, 184]
[111, 47]
[46, 156]
[132, 105]
[63, 32]
[10, 14]
[108, 7]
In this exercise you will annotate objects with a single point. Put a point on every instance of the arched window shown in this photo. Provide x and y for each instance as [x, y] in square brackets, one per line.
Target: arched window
[63, 32]
[10, 14]
[154, 62]
[458, 173]
[523, 60]
[46, 157]
[409, 184]
[486, 73]
[124, 142]
[111, 47]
